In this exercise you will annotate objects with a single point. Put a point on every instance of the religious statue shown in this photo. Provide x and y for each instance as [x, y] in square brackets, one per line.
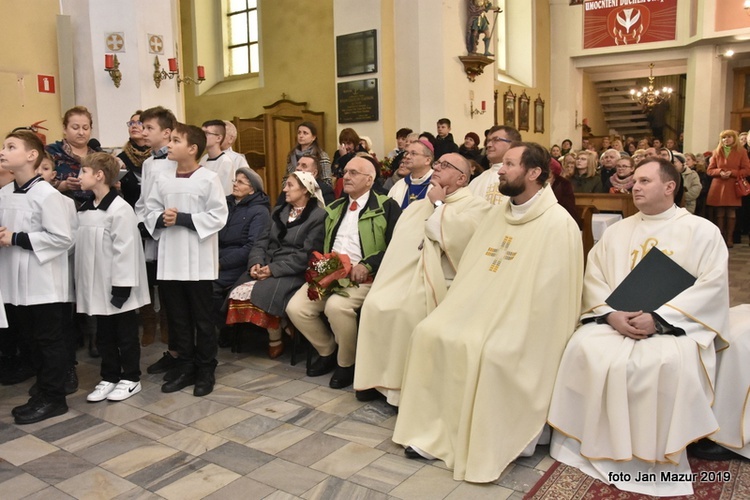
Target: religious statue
[478, 24]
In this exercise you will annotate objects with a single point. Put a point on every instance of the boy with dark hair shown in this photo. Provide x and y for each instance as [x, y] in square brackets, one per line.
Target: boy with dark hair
[185, 211]
[111, 278]
[35, 236]
[157, 123]
[444, 142]
[215, 159]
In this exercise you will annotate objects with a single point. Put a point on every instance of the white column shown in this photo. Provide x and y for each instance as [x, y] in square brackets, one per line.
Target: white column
[706, 112]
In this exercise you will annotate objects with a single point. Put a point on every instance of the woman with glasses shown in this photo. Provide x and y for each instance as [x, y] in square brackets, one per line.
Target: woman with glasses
[585, 179]
[133, 154]
[276, 266]
[249, 216]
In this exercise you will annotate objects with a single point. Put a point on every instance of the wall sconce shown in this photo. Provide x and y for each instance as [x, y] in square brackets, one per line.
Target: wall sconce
[474, 111]
[112, 66]
[160, 74]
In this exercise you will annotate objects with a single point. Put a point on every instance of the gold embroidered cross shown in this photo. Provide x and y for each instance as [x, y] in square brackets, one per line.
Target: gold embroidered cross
[493, 252]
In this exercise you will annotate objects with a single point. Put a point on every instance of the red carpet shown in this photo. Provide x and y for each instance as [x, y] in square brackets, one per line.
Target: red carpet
[562, 482]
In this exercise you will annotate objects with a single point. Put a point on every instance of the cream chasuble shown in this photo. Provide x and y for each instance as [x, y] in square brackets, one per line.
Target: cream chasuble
[487, 185]
[409, 285]
[480, 368]
[633, 406]
[733, 385]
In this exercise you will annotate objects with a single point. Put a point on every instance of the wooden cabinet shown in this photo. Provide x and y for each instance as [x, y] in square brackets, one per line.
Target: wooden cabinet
[267, 139]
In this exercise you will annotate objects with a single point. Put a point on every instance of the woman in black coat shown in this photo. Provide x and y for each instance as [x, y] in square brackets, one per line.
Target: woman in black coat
[277, 263]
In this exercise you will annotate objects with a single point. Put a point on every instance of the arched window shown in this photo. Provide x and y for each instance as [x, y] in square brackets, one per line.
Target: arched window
[242, 37]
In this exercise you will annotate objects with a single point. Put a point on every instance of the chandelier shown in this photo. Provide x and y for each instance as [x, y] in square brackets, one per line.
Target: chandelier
[648, 97]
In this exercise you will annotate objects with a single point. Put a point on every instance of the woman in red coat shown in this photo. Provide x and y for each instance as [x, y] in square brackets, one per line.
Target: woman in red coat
[728, 163]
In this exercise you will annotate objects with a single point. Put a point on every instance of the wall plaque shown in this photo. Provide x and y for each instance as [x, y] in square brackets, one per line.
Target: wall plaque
[358, 101]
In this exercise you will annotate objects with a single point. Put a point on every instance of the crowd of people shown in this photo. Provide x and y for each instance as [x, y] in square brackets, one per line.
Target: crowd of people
[447, 280]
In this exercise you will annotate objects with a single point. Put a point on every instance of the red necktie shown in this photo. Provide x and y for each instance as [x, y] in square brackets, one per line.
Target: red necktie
[353, 206]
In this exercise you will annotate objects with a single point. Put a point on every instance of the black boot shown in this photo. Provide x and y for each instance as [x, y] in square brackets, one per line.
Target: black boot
[204, 379]
[185, 378]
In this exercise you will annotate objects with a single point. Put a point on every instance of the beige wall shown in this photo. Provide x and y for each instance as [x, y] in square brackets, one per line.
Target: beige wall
[29, 47]
[592, 109]
[297, 58]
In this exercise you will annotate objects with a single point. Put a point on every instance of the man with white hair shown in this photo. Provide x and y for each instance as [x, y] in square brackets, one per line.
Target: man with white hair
[608, 161]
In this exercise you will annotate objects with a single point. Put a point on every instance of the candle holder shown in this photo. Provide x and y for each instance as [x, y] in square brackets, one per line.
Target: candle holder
[160, 74]
[112, 66]
[474, 111]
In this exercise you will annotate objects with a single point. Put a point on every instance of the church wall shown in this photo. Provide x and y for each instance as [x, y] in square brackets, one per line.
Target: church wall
[591, 109]
[297, 59]
[29, 43]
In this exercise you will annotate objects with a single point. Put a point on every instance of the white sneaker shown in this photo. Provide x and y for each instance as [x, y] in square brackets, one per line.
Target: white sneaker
[124, 389]
[101, 391]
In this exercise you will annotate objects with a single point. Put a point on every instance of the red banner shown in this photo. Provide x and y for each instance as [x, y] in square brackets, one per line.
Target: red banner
[628, 22]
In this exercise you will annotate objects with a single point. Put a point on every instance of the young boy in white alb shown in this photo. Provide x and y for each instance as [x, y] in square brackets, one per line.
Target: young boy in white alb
[215, 158]
[35, 236]
[111, 278]
[186, 209]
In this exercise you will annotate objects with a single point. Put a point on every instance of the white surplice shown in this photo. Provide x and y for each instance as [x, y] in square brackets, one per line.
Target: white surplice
[41, 275]
[186, 254]
[151, 170]
[109, 253]
[632, 406]
[732, 403]
[3, 318]
[223, 167]
[481, 367]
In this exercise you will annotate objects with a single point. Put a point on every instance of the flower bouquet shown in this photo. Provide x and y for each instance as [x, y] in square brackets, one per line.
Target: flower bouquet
[386, 169]
[328, 274]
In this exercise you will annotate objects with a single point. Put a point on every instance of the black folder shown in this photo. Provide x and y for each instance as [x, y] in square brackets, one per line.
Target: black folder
[653, 282]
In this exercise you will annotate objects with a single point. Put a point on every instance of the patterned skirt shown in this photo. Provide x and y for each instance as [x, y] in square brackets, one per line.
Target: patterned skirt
[241, 310]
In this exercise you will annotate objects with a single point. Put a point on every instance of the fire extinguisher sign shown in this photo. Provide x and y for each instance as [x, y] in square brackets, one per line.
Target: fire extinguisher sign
[45, 84]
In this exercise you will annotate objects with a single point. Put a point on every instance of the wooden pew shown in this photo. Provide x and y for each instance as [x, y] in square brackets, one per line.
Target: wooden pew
[606, 202]
[586, 213]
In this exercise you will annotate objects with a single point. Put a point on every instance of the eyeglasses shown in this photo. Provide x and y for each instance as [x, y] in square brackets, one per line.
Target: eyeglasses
[134, 122]
[237, 181]
[354, 174]
[498, 139]
[413, 153]
[444, 164]
[212, 133]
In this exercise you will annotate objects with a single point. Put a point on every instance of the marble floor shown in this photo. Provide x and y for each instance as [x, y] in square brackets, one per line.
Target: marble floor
[267, 431]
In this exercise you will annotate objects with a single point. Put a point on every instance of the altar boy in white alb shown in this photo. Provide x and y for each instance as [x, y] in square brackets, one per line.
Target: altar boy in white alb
[111, 278]
[35, 236]
[186, 209]
[634, 388]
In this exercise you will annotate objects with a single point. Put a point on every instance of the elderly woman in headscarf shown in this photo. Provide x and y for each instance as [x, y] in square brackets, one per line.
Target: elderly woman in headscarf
[277, 263]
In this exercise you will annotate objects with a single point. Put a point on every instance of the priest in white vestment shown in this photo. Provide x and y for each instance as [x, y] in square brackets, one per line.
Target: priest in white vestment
[417, 269]
[499, 139]
[415, 186]
[635, 388]
[733, 389]
[481, 367]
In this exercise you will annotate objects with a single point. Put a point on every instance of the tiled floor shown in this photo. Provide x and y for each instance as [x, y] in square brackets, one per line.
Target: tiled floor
[267, 431]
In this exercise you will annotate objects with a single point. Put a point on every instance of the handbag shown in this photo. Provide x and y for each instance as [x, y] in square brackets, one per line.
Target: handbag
[742, 187]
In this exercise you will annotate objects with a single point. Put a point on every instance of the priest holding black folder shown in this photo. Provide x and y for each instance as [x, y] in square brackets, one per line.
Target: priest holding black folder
[635, 385]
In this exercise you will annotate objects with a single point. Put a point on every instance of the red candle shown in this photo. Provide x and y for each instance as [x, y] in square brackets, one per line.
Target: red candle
[201, 72]
[172, 64]
[484, 105]
[109, 61]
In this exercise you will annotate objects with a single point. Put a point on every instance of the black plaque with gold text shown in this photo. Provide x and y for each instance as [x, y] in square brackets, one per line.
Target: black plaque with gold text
[358, 101]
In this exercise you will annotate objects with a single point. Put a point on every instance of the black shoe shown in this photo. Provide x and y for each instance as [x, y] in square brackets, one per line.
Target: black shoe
[21, 373]
[33, 401]
[410, 453]
[42, 409]
[322, 365]
[185, 379]
[71, 381]
[204, 381]
[166, 362]
[709, 450]
[172, 374]
[342, 377]
[368, 395]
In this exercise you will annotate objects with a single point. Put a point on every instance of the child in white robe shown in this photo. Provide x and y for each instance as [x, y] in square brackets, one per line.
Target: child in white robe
[185, 211]
[111, 278]
[35, 236]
